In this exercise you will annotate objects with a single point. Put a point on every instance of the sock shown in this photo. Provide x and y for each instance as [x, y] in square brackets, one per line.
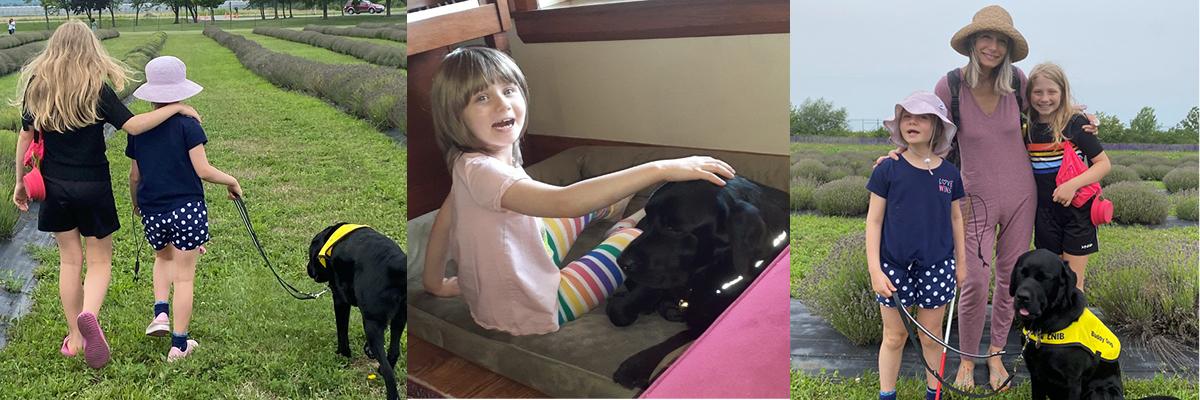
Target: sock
[161, 307]
[931, 393]
[887, 395]
[179, 341]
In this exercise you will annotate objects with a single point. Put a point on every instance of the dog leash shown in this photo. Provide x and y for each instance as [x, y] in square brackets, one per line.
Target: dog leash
[917, 345]
[296, 293]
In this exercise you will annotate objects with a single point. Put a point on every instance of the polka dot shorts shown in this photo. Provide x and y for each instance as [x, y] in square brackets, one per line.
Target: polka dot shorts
[185, 227]
[926, 287]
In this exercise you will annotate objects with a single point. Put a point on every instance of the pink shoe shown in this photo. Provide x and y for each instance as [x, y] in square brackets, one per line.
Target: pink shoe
[160, 326]
[95, 349]
[175, 354]
[66, 349]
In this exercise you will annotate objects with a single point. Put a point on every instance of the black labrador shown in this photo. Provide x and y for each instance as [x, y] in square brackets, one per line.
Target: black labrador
[701, 246]
[1046, 301]
[365, 269]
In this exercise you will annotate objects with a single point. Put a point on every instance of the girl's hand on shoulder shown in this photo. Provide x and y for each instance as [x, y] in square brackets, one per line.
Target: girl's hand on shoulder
[20, 197]
[881, 285]
[695, 167]
[1093, 126]
[187, 110]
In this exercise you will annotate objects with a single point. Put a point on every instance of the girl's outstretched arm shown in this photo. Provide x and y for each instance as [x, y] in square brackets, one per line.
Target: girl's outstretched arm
[533, 198]
[433, 277]
[210, 173]
[148, 120]
[20, 197]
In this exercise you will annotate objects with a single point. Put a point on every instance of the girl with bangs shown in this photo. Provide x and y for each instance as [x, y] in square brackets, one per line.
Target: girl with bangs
[1060, 227]
[65, 101]
[508, 232]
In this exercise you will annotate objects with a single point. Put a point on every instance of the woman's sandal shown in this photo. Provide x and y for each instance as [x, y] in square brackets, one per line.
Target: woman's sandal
[66, 348]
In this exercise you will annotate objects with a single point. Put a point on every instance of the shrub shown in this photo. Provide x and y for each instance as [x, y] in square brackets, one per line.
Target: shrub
[21, 38]
[379, 25]
[1137, 203]
[392, 56]
[1148, 291]
[1159, 171]
[847, 197]
[378, 94]
[840, 291]
[1186, 204]
[8, 211]
[389, 33]
[811, 169]
[1144, 171]
[1120, 173]
[839, 172]
[1181, 179]
[801, 191]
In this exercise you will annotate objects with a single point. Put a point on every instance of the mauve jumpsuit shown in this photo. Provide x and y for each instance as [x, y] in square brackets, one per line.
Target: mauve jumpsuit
[999, 183]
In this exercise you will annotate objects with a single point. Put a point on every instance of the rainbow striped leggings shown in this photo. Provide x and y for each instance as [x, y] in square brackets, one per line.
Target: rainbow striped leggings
[586, 282]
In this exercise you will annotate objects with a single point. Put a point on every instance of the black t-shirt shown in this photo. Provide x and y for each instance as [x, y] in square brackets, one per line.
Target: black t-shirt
[1047, 156]
[79, 155]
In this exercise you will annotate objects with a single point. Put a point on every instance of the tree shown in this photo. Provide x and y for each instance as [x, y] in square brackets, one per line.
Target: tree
[1191, 123]
[387, 6]
[1144, 124]
[211, 5]
[137, 8]
[47, 5]
[1111, 128]
[818, 117]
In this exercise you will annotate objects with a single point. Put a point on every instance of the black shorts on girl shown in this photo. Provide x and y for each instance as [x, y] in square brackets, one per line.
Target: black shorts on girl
[1065, 229]
[924, 286]
[185, 227]
[84, 205]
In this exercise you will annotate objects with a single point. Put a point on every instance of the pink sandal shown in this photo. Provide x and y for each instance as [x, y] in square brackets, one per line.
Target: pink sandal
[95, 348]
[66, 350]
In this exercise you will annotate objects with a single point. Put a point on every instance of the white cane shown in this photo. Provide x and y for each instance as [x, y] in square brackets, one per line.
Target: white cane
[949, 323]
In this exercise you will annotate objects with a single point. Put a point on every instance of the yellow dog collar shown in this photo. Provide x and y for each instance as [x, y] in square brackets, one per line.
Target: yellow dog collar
[338, 234]
[1087, 331]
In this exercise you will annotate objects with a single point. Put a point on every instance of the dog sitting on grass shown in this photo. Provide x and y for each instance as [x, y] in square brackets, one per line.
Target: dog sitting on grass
[365, 269]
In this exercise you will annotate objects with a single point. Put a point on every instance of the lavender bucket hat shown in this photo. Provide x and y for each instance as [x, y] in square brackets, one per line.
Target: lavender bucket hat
[166, 81]
[918, 103]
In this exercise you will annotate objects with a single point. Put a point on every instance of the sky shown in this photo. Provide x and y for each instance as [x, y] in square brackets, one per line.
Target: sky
[1119, 56]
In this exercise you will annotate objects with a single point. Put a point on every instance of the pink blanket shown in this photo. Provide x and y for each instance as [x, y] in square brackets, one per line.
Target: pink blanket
[744, 354]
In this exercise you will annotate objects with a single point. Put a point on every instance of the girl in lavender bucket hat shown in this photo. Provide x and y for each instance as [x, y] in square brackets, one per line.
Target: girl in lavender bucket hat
[168, 164]
[914, 231]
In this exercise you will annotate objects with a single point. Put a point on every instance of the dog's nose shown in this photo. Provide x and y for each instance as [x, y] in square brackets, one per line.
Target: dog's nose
[1021, 297]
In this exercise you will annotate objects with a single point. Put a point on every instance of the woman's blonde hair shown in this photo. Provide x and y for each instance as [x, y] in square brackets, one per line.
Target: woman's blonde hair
[1066, 108]
[60, 87]
[1003, 72]
[464, 72]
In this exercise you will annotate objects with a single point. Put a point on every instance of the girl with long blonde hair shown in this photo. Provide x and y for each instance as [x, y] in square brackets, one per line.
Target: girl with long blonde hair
[65, 99]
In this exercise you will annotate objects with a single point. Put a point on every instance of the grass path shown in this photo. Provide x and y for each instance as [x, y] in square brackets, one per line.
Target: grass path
[301, 49]
[304, 165]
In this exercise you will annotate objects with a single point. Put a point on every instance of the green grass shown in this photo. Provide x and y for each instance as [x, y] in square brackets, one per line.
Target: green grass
[303, 165]
[809, 230]
[301, 49]
[828, 386]
[9, 282]
[8, 211]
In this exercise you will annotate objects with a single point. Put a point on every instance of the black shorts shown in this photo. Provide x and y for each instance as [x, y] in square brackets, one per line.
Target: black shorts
[1065, 229]
[84, 205]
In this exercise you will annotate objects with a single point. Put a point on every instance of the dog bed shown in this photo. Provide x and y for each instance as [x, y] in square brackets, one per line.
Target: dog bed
[579, 359]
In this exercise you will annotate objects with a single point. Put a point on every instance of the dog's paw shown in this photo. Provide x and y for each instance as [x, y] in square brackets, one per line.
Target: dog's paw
[367, 351]
[344, 351]
[618, 316]
[670, 312]
[632, 375]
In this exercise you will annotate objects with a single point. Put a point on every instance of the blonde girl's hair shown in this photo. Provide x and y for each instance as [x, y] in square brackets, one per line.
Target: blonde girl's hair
[464, 72]
[1066, 108]
[1003, 72]
[61, 86]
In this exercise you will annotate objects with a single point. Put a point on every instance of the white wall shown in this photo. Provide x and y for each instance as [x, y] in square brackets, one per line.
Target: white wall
[721, 92]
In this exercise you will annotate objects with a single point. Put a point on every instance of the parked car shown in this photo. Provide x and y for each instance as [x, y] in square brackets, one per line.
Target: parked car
[362, 6]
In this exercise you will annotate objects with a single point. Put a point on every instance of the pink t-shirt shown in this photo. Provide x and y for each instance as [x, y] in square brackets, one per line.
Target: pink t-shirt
[508, 280]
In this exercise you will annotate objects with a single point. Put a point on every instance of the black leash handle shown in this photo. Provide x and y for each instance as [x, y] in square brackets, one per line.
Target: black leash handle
[921, 356]
[296, 293]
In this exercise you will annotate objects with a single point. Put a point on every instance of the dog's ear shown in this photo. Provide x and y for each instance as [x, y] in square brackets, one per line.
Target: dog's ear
[315, 270]
[1016, 272]
[746, 231]
[1068, 279]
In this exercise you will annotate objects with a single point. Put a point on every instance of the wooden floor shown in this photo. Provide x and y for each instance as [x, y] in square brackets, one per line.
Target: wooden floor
[458, 377]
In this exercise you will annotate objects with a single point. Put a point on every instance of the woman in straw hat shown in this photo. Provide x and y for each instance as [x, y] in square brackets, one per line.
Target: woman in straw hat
[996, 173]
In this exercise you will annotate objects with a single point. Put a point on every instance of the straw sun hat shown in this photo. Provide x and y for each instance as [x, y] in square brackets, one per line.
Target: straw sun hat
[995, 19]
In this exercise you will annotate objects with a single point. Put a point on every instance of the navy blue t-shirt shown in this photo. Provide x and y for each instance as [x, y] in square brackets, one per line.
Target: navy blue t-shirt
[168, 179]
[916, 223]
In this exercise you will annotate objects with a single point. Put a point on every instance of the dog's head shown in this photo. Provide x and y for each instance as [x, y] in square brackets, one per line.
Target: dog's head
[1041, 282]
[316, 271]
[691, 225]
